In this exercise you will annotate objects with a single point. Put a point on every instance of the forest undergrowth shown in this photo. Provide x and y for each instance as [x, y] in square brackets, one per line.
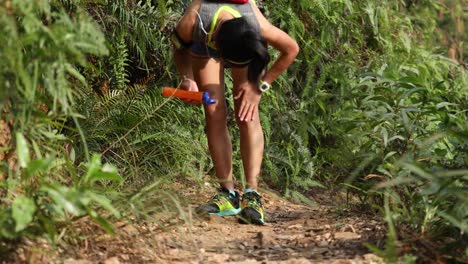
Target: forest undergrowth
[375, 107]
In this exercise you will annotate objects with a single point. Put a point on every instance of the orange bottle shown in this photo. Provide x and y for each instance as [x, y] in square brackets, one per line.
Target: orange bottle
[199, 97]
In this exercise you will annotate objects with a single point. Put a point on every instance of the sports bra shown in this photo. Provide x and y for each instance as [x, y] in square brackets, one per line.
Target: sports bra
[205, 24]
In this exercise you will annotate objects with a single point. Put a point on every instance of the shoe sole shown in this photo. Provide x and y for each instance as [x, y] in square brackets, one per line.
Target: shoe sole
[244, 220]
[227, 212]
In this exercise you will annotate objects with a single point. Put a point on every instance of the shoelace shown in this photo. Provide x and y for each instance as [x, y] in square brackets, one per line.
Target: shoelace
[219, 196]
[253, 198]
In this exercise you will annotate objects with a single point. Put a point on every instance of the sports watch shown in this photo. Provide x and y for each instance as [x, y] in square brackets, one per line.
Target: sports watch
[264, 86]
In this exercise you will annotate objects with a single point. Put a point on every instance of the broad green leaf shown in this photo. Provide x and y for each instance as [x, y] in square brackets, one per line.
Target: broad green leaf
[405, 40]
[440, 152]
[104, 202]
[396, 137]
[444, 104]
[93, 167]
[22, 150]
[321, 105]
[72, 154]
[104, 224]
[430, 188]
[390, 154]
[98, 172]
[417, 170]
[7, 224]
[406, 121]
[75, 73]
[453, 173]
[23, 209]
[385, 136]
[60, 199]
[108, 173]
[394, 182]
[37, 166]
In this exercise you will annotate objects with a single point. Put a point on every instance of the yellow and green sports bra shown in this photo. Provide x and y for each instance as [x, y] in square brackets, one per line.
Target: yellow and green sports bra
[202, 41]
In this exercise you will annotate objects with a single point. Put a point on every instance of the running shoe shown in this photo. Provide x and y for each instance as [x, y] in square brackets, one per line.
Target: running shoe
[224, 203]
[252, 210]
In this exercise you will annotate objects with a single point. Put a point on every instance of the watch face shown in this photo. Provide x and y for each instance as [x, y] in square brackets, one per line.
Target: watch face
[264, 87]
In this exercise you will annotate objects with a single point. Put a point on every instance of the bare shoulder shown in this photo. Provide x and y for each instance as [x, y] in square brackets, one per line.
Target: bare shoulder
[268, 30]
[274, 35]
[186, 23]
[264, 23]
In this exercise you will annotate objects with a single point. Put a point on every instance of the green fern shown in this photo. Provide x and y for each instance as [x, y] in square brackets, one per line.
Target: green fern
[120, 61]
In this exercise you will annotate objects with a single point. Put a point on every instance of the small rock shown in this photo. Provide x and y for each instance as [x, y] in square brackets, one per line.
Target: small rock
[297, 226]
[266, 239]
[113, 260]
[372, 258]
[317, 228]
[347, 235]
[299, 261]
[120, 224]
[349, 228]
[342, 261]
[310, 222]
[130, 230]
[76, 261]
[203, 225]
[322, 243]
[218, 258]
[104, 237]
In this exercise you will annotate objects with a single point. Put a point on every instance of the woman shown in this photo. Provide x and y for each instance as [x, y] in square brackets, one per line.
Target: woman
[211, 36]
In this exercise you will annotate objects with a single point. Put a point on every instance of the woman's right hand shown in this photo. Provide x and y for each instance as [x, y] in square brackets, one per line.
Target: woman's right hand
[191, 86]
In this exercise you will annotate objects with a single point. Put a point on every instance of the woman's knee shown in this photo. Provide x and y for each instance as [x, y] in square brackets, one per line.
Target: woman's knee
[249, 126]
[216, 113]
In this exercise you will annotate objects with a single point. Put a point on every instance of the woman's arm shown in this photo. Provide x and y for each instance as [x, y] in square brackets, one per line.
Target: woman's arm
[184, 30]
[281, 41]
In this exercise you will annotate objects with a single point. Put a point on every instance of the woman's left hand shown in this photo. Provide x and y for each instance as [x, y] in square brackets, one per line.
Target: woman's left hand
[249, 96]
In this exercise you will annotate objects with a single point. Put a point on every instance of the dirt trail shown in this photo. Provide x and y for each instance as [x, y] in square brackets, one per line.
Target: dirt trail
[293, 234]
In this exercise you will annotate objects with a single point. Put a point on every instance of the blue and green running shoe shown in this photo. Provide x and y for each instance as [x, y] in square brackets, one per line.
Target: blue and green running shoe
[224, 203]
[252, 211]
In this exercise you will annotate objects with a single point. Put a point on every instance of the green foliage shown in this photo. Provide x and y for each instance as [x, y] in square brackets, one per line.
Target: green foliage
[370, 105]
[288, 161]
[137, 35]
[367, 94]
[124, 124]
[37, 204]
[43, 51]
[120, 62]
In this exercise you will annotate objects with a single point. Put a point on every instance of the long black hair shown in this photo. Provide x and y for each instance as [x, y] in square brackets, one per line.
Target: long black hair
[240, 45]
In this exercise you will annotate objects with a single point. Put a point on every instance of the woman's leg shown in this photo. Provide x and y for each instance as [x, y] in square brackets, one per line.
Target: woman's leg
[209, 75]
[251, 135]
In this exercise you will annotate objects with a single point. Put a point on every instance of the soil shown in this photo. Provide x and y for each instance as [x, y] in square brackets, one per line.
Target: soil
[5, 140]
[293, 233]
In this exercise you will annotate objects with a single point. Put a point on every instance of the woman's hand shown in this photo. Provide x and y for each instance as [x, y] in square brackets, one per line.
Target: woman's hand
[249, 96]
[191, 86]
